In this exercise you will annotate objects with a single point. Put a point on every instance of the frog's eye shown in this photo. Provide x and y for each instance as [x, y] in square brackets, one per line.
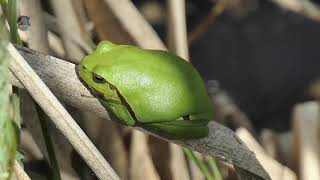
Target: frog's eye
[186, 117]
[98, 79]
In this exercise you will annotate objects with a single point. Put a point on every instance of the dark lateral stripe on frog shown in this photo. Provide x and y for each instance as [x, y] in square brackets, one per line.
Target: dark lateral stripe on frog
[125, 103]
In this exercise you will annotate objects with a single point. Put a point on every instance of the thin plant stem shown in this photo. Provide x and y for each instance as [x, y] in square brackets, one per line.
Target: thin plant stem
[12, 19]
[202, 166]
[55, 173]
[16, 110]
[4, 7]
[10, 13]
[8, 136]
[214, 167]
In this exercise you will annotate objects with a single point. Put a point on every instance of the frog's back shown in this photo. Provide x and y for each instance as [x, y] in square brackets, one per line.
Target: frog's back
[160, 87]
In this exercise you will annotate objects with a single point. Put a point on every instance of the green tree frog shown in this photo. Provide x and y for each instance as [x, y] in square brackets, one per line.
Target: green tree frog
[153, 89]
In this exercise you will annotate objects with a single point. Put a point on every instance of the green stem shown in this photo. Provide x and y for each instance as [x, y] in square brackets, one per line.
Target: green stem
[201, 165]
[12, 19]
[8, 136]
[213, 165]
[16, 110]
[4, 7]
[10, 12]
[49, 145]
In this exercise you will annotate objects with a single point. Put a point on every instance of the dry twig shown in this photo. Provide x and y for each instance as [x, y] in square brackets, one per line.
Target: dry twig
[215, 11]
[106, 24]
[68, 24]
[276, 170]
[141, 165]
[303, 7]
[306, 124]
[19, 172]
[61, 118]
[177, 28]
[134, 23]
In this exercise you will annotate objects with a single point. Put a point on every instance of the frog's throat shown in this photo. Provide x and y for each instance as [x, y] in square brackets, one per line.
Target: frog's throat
[124, 103]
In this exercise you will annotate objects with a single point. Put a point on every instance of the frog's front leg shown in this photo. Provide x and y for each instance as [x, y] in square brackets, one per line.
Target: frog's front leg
[120, 111]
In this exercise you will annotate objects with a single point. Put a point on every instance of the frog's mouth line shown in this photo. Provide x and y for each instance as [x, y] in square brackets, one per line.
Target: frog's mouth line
[98, 94]
[101, 97]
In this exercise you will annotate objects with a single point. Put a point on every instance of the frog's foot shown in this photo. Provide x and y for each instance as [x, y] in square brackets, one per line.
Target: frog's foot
[179, 129]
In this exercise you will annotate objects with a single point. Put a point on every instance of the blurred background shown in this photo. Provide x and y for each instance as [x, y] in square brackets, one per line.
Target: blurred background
[263, 55]
[260, 60]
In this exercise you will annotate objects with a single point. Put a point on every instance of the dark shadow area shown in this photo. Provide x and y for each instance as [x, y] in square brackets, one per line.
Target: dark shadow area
[266, 61]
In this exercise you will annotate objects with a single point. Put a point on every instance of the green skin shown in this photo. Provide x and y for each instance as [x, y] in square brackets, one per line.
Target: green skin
[152, 89]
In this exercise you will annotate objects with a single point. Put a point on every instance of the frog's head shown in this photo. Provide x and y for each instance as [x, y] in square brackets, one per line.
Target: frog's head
[92, 72]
